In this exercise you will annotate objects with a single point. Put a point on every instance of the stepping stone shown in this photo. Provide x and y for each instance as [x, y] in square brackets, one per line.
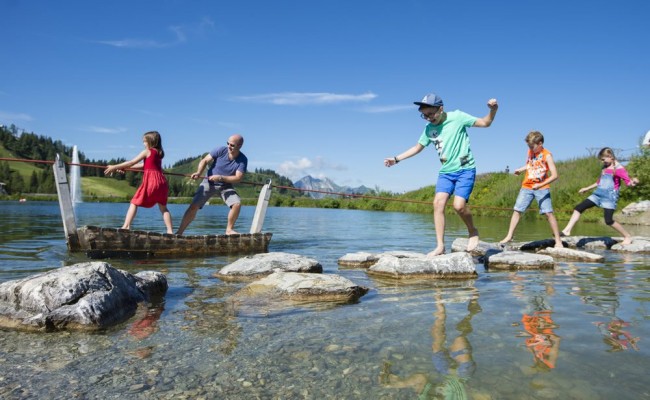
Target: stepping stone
[571, 254]
[259, 265]
[446, 266]
[360, 259]
[638, 245]
[518, 260]
[460, 244]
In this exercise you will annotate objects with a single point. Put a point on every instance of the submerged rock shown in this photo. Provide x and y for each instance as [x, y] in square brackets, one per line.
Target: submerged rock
[305, 286]
[517, 260]
[259, 265]
[86, 296]
[446, 266]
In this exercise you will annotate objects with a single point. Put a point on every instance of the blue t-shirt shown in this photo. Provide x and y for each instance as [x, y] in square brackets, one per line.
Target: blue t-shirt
[221, 165]
[451, 141]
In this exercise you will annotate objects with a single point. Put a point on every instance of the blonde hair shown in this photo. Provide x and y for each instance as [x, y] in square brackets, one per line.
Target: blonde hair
[534, 137]
[607, 152]
[154, 140]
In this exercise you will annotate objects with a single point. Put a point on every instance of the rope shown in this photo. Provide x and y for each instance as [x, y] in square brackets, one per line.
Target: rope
[361, 196]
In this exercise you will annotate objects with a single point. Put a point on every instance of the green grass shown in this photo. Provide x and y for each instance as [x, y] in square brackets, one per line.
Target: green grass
[106, 187]
[25, 169]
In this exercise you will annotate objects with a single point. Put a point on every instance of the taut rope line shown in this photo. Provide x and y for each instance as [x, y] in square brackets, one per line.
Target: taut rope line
[362, 196]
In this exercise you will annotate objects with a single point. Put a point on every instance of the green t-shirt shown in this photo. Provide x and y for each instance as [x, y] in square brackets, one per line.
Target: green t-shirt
[451, 141]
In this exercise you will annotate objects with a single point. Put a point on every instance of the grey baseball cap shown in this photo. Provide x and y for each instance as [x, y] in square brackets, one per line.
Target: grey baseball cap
[432, 100]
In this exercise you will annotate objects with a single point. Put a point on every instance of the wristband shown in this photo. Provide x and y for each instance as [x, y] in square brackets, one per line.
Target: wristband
[396, 160]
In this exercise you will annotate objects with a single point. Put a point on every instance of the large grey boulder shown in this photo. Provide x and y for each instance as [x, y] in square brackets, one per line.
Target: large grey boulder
[517, 260]
[86, 296]
[259, 265]
[446, 266]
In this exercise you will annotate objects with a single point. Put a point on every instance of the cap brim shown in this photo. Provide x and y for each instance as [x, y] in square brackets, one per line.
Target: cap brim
[419, 103]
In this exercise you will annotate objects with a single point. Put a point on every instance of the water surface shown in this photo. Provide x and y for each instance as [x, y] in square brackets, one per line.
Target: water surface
[579, 331]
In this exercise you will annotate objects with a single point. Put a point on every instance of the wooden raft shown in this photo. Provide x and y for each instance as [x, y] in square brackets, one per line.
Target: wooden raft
[99, 242]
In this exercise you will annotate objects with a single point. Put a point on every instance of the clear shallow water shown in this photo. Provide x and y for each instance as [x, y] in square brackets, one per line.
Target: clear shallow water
[567, 333]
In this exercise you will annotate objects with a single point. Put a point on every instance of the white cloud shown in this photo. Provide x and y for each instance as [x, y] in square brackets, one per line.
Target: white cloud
[12, 117]
[386, 109]
[179, 38]
[316, 167]
[294, 98]
[100, 129]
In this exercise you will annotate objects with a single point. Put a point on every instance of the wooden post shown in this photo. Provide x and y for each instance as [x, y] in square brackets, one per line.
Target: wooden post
[65, 203]
[260, 210]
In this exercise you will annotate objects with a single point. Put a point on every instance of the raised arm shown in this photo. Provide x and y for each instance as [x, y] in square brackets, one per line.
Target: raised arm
[487, 120]
[390, 161]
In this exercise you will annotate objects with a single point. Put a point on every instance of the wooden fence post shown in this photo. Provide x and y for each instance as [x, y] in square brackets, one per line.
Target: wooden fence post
[260, 210]
[65, 203]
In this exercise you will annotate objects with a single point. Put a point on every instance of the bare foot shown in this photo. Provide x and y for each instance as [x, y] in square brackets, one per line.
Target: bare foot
[170, 232]
[232, 232]
[564, 234]
[473, 241]
[436, 252]
[626, 241]
[505, 241]
[559, 245]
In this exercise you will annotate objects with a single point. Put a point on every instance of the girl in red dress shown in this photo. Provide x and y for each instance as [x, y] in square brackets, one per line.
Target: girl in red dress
[154, 188]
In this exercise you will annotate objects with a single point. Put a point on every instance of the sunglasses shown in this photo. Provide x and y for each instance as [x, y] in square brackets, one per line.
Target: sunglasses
[231, 144]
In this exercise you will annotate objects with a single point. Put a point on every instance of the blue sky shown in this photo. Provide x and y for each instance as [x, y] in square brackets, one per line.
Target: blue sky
[326, 88]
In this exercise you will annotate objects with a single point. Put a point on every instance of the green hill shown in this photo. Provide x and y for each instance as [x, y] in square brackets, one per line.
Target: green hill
[494, 193]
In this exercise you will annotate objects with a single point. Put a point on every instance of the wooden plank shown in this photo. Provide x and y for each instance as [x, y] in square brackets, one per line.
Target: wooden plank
[65, 203]
[260, 210]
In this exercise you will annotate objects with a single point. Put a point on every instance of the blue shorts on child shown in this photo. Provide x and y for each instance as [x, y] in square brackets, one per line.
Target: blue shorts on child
[526, 196]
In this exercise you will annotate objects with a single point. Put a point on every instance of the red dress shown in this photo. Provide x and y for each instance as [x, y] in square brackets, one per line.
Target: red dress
[154, 188]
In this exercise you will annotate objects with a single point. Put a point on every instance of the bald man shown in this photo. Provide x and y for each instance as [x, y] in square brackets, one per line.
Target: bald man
[226, 165]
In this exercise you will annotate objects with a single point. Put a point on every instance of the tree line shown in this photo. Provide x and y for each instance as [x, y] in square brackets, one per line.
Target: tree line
[30, 146]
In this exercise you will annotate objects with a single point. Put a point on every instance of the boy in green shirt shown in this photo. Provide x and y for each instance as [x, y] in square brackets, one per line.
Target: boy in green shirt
[448, 132]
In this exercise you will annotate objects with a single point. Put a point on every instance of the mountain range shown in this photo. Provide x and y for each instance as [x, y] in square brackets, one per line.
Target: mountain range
[326, 185]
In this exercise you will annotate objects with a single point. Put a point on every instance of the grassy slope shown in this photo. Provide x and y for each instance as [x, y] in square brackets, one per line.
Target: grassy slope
[105, 187]
[23, 168]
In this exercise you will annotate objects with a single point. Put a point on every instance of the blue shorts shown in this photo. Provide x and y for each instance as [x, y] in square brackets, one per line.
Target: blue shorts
[460, 183]
[526, 196]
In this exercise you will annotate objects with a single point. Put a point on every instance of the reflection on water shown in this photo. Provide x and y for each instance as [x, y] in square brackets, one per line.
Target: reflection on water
[496, 336]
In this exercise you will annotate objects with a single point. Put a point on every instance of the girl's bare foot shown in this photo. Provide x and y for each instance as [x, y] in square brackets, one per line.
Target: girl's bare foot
[627, 241]
[232, 232]
[436, 252]
[505, 241]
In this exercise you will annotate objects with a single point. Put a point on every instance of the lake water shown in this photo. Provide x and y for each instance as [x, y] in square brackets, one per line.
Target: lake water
[580, 331]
